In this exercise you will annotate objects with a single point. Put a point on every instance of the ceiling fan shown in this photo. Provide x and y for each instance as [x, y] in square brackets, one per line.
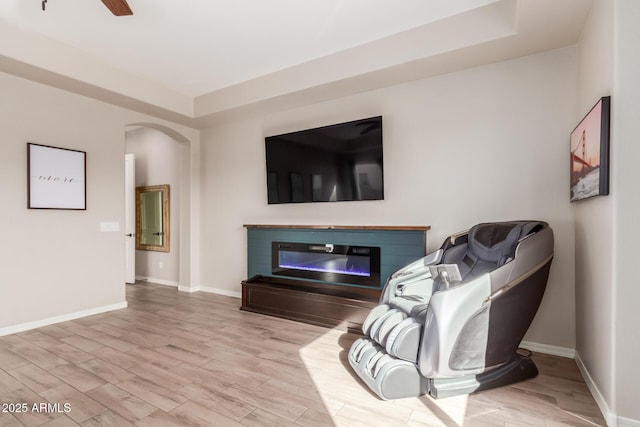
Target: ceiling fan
[117, 7]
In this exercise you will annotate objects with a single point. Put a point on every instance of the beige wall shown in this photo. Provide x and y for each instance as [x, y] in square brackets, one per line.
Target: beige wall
[606, 238]
[625, 131]
[485, 144]
[594, 219]
[55, 263]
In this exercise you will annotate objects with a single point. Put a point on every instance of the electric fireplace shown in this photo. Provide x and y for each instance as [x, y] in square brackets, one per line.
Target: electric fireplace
[357, 265]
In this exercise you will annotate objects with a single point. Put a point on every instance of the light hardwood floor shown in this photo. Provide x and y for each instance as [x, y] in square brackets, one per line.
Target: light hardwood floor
[176, 359]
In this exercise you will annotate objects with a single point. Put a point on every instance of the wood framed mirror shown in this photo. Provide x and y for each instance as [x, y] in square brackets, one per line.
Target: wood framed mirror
[152, 218]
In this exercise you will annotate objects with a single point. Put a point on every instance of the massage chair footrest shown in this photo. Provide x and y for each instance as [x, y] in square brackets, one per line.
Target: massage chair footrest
[388, 377]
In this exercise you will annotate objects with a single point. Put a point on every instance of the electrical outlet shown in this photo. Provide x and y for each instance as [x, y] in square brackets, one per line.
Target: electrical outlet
[161, 264]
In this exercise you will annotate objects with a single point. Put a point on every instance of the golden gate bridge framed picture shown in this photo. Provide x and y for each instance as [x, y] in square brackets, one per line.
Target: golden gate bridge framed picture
[590, 153]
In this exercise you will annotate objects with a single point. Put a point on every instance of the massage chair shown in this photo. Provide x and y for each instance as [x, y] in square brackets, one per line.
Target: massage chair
[451, 323]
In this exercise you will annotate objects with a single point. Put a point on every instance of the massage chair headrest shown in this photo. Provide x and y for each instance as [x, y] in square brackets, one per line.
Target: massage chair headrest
[496, 242]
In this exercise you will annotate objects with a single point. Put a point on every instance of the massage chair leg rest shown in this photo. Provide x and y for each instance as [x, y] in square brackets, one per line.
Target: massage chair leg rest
[386, 376]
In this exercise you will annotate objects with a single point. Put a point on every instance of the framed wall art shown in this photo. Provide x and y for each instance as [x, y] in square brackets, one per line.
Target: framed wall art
[589, 153]
[56, 178]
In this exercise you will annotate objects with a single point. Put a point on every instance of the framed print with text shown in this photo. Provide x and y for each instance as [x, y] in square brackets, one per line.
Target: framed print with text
[56, 178]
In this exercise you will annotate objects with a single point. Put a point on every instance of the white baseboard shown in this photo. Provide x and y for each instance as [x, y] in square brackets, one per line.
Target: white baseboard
[549, 349]
[627, 422]
[210, 290]
[218, 291]
[608, 414]
[58, 319]
[153, 280]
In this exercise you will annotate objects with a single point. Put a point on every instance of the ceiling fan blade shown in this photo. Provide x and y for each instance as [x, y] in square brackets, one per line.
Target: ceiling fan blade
[118, 7]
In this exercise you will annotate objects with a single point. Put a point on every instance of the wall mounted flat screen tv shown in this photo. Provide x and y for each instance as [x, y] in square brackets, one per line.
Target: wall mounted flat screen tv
[341, 162]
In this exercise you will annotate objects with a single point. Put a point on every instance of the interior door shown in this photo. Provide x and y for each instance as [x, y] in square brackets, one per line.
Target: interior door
[130, 218]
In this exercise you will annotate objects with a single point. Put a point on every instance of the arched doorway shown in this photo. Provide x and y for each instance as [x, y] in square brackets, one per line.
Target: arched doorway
[177, 267]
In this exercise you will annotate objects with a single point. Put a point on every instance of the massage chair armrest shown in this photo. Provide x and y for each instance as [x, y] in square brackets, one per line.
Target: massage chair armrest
[418, 266]
[414, 272]
[421, 285]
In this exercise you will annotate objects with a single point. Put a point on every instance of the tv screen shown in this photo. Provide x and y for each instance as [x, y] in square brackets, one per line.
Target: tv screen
[341, 162]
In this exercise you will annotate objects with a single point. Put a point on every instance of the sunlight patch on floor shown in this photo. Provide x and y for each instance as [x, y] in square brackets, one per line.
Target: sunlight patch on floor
[350, 402]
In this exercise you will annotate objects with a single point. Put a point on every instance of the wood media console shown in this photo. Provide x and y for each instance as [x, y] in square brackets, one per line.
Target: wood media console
[324, 302]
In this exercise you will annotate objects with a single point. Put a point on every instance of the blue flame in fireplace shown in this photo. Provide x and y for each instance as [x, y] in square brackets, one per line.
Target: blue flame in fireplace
[353, 265]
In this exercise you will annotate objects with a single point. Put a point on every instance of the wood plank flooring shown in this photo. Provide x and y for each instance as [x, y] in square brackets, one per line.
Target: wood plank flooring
[177, 359]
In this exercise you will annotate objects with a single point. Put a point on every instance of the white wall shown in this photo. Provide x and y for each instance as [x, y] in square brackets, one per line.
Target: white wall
[158, 161]
[485, 144]
[54, 263]
[594, 219]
